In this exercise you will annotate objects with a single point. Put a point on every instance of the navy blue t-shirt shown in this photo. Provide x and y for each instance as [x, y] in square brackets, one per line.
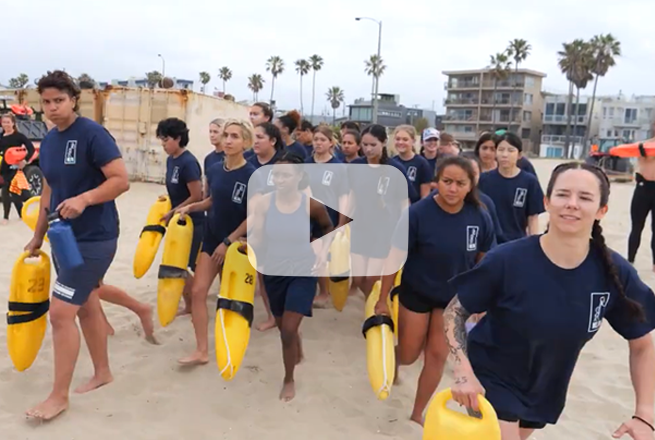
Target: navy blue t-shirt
[309, 150]
[441, 245]
[359, 180]
[491, 207]
[433, 164]
[526, 165]
[330, 185]
[539, 317]
[267, 185]
[516, 199]
[249, 153]
[180, 171]
[229, 193]
[212, 158]
[418, 173]
[297, 148]
[71, 162]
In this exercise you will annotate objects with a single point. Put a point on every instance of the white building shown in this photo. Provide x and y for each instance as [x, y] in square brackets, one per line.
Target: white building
[627, 118]
[555, 120]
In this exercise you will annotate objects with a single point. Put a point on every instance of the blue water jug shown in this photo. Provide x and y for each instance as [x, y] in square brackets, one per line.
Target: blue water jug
[62, 241]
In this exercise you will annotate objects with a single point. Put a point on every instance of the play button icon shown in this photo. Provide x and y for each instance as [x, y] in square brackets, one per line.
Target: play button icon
[288, 202]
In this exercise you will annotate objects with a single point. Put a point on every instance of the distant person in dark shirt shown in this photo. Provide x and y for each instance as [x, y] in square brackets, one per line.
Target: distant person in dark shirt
[11, 138]
[305, 135]
[287, 125]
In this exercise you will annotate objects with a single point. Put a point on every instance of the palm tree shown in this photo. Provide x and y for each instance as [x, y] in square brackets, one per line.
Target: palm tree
[603, 50]
[335, 98]
[153, 78]
[205, 77]
[374, 67]
[255, 84]
[275, 65]
[302, 67]
[499, 66]
[317, 63]
[19, 82]
[574, 63]
[84, 81]
[225, 74]
[518, 50]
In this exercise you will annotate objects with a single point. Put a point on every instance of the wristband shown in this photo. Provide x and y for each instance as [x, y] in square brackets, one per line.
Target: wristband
[227, 242]
[644, 421]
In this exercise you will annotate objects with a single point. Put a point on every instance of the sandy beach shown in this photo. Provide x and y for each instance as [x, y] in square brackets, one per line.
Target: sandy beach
[152, 398]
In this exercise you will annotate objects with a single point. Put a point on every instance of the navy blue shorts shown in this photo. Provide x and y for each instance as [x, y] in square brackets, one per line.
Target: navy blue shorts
[292, 294]
[75, 286]
[417, 302]
[209, 241]
[198, 233]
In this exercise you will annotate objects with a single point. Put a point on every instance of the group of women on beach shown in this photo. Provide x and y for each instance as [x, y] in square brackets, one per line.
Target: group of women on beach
[510, 306]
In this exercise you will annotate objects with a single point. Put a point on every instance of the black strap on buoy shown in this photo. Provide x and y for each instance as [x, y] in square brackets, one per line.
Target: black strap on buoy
[33, 311]
[153, 228]
[375, 321]
[171, 272]
[340, 278]
[246, 310]
[395, 291]
[642, 150]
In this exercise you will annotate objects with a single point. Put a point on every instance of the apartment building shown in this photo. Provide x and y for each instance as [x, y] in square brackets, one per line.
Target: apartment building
[627, 118]
[555, 120]
[390, 112]
[475, 103]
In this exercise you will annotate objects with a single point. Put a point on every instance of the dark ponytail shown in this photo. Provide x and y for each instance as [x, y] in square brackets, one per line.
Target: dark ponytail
[634, 309]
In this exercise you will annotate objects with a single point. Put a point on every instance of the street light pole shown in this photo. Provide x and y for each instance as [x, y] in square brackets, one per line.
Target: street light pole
[163, 66]
[376, 77]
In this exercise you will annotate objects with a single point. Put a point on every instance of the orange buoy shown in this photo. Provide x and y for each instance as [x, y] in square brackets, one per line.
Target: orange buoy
[637, 149]
[14, 155]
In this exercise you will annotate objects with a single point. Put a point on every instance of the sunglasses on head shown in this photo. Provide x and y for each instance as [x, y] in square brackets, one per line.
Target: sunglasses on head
[500, 132]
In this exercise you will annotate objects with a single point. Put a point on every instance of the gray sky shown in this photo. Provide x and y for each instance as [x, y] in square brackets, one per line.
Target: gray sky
[420, 39]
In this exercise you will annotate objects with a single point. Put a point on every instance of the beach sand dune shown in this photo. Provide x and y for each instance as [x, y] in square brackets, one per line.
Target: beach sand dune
[152, 398]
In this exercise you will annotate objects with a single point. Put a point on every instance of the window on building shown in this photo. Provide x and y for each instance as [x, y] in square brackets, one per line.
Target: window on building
[550, 108]
[611, 112]
[609, 133]
[604, 112]
[527, 116]
[361, 114]
[525, 133]
[560, 109]
[630, 116]
[527, 99]
[529, 81]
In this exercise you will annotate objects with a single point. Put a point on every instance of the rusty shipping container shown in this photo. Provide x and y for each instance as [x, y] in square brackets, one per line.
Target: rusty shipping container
[131, 115]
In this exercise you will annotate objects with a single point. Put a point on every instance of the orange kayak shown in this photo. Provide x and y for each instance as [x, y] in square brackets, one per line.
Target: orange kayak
[638, 149]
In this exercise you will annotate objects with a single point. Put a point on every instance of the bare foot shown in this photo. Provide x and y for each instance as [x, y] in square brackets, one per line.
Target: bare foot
[185, 311]
[417, 419]
[197, 358]
[288, 391]
[110, 329]
[49, 409]
[321, 301]
[95, 383]
[266, 325]
[148, 324]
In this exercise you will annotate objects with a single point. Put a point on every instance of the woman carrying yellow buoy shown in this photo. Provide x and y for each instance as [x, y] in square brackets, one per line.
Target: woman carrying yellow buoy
[546, 296]
[280, 239]
[83, 175]
[184, 186]
[227, 203]
[448, 234]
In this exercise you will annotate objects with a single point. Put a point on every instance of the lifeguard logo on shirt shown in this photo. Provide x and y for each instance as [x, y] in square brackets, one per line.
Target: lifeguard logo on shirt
[70, 155]
[519, 197]
[175, 177]
[411, 173]
[327, 177]
[238, 192]
[472, 233]
[269, 179]
[383, 185]
[597, 305]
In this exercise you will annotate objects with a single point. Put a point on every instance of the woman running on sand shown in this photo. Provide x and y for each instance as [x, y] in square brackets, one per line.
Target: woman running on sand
[83, 175]
[449, 233]
[328, 184]
[268, 149]
[184, 187]
[522, 354]
[419, 172]
[516, 193]
[227, 203]
[377, 193]
[12, 138]
[280, 215]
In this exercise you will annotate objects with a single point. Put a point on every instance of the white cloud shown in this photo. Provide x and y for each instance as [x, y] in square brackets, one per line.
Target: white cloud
[421, 38]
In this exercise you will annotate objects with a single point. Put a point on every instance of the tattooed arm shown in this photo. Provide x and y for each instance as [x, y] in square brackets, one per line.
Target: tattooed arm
[467, 386]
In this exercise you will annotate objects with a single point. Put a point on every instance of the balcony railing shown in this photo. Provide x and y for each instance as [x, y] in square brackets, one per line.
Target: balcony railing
[563, 119]
[490, 101]
[462, 85]
[461, 117]
[462, 101]
[555, 139]
[502, 84]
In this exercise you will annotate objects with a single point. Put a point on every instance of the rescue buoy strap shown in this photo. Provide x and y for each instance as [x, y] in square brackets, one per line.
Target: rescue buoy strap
[153, 228]
[375, 321]
[642, 150]
[171, 272]
[36, 310]
[394, 292]
[246, 310]
[340, 278]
